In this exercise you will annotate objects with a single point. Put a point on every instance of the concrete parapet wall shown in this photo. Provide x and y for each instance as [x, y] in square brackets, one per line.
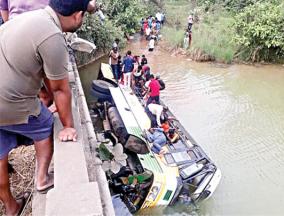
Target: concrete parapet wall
[80, 185]
[95, 170]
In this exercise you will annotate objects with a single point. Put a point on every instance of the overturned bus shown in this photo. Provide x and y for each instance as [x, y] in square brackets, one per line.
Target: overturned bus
[148, 179]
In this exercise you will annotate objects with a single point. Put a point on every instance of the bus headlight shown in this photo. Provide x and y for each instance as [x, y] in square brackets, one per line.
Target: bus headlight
[153, 192]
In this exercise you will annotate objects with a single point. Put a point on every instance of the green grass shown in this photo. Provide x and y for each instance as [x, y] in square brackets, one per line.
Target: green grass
[212, 33]
[173, 36]
[214, 36]
[177, 12]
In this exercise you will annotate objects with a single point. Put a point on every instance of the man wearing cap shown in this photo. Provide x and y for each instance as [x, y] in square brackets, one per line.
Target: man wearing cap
[33, 49]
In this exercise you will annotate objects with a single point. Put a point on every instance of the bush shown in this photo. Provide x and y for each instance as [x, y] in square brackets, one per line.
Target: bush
[122, 16]
[260, 32]
[102, 34]
[231, 5]
[126, 14]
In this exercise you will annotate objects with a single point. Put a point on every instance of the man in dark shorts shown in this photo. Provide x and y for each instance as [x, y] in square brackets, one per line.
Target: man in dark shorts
[33, 49]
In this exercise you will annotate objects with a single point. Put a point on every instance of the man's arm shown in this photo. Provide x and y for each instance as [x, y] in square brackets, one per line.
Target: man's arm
[4, 10]
[54, 54]
[62, 97]
[5, 15]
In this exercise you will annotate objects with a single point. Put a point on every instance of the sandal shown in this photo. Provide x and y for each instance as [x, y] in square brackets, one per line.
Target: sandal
[49, 185]
[22, 201]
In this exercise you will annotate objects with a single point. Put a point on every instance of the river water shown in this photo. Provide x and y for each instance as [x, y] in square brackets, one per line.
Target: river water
[236, 114]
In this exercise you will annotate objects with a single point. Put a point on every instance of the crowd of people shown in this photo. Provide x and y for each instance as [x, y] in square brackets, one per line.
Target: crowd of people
[151, 27]
[134, 73]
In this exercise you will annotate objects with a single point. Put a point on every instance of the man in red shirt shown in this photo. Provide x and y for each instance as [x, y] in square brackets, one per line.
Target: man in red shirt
[153, 91]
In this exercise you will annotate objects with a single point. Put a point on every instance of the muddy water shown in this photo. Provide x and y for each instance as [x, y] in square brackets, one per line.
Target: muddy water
[236, 113]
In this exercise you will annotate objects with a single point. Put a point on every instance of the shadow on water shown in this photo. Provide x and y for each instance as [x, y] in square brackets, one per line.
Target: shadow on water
[236, 113]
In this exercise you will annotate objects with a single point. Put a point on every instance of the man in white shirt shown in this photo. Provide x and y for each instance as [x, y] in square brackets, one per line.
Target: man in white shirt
[151, 44]
[159, 16]
[156, 112]
[190, 22]
[148, 32]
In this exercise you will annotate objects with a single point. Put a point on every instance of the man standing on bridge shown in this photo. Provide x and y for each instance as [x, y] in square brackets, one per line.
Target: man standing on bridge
[33, 49]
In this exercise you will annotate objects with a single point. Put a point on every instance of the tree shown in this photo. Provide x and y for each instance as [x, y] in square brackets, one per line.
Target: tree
[126, 14]
[102, 34]
[260, 31]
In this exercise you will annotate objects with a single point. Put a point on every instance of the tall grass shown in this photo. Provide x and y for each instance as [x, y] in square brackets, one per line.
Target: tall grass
[174, 37]
[177, 12]
[214, 37]
[212, 34]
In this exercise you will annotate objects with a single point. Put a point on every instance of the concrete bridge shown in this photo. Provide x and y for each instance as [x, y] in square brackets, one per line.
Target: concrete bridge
[80, 185]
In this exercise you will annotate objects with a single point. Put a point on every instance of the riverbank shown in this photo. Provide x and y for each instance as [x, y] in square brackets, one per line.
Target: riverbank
[211, 34]
[199, 56]
[218, 31]
[235, 112]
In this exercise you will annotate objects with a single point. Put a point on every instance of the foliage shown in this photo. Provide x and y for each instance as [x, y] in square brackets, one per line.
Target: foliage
[260, 31]
[102, 34]
[180, 7]
[230, 5]
[122, 16]
[126, 14]
[250, 30]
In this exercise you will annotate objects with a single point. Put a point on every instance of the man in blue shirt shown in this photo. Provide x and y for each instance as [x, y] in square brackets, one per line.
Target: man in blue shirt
[158, 26]
[128, 66]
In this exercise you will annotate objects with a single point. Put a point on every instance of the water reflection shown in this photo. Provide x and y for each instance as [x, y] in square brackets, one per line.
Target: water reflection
[236, 113]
